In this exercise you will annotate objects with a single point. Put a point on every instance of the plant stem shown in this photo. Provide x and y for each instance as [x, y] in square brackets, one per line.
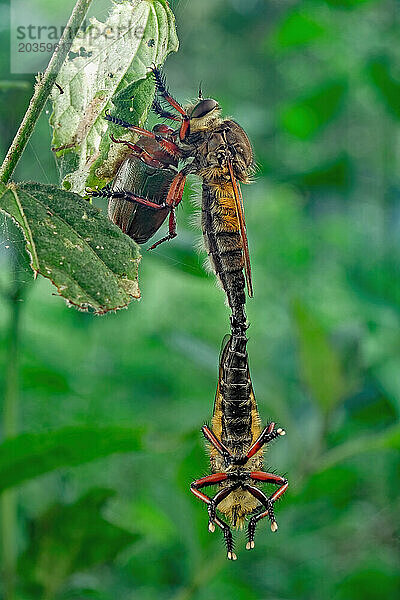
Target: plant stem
[42, 90]
[8, 500]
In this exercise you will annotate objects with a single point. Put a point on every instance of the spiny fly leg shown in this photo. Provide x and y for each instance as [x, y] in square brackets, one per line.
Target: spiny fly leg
[219, 496]
[251, 529]
[171, 230]
[163, 91]
[268, 503]
[212, 513]
[267, 435]
[157, 108]
[125, 195]
[166, 144]
[174, 197]
[217, 444]
[228, 539]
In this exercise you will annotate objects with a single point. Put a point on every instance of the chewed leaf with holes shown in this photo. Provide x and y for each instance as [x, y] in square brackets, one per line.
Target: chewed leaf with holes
[90, 261]
[107, 60]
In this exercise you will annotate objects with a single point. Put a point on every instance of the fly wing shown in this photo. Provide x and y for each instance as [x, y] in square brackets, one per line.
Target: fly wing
[218, 397]
[243, 233]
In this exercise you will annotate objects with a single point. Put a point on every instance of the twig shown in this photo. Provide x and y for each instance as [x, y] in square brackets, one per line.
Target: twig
[42, 90]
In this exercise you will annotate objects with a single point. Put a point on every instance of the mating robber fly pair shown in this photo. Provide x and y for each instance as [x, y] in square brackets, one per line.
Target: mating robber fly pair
[146, 190]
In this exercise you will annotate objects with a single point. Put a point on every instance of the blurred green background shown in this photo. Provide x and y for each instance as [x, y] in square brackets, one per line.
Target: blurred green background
[316, 84]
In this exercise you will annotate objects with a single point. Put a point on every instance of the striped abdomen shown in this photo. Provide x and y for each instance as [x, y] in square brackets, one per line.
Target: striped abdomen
[235, 419]
[221, 232]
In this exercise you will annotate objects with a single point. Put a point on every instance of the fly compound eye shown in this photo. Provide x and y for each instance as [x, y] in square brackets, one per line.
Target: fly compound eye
[203, 108]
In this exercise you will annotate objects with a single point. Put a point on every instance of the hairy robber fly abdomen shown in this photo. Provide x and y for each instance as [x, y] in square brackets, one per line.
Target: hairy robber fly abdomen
[223, 243]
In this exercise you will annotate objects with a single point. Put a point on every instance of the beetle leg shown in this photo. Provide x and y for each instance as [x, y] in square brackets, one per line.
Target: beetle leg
[142, 154]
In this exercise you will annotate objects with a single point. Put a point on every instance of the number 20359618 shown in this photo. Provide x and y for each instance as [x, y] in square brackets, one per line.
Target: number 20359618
[36, 47]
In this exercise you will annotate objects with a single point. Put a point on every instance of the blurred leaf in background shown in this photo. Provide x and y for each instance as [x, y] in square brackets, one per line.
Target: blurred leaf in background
[314, 84]
[70, 538]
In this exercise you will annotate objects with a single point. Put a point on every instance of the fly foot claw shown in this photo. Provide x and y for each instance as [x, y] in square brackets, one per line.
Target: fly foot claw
[250, 545]
[231, 556]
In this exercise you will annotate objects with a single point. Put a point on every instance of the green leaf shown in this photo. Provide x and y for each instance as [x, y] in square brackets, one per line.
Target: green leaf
[320, 367]
[388, 440]
[336, 174]
[71, 538]
[297, 29]
[90, 261]
[346, 4]
[307, 115]
[104, 61]
[387, 86]
[32, 454]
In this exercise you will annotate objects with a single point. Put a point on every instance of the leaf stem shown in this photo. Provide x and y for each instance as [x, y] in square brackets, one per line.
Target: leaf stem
[42, 90]
[8, 500]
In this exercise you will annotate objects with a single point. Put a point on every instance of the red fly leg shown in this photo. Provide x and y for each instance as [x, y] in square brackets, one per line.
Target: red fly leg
[125, 195]
[171, 230]
[205, 482]
[167, 145]
[267, 435]
[163, 91]
[212, 507]
[157, 108]
[212, 502]
[172, 200]
[267, 502]
[214, 441]
[164, 130]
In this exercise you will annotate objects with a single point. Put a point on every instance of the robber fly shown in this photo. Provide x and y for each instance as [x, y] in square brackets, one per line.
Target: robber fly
[216, 149]
[236, 451]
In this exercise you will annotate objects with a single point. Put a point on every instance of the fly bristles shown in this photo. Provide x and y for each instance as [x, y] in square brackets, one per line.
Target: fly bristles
[194, 222]
[236, 516]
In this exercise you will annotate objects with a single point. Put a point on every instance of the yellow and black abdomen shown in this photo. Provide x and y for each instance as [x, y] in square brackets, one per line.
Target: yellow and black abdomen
[221, 232]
